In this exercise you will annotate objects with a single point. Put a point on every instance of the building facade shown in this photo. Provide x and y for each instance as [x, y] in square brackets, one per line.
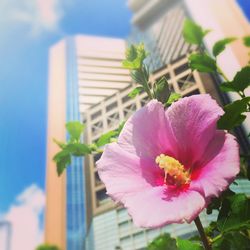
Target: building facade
[83, 70]
[87, 83]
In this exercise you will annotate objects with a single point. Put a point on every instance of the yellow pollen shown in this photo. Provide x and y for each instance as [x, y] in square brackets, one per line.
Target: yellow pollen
[173, 169]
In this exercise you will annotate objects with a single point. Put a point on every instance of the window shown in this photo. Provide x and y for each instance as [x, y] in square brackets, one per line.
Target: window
[102, 197]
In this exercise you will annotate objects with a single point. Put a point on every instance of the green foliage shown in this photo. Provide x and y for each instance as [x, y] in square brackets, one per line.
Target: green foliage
[173, 98]
[240, 82]
[47, 247]
[202, 63]
[221, 45]
[136, 91]
[62, 159]
[216, 202]
[163, 242]
[119, 129]
[232, 241]
[193, 33]
[106, 138]
[188, 245]
[109, 136]
[234, 213]
[59, 143]
[75, 148]
[161, 90]
[246, 41]
[135, 56]
[244, 166]
[234, 114]
[78, 149]
[75, 129]
[141, 75]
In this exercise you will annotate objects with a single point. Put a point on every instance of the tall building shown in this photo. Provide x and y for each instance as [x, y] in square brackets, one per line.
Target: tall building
[5, 235]
[83, 71]
[88, 83]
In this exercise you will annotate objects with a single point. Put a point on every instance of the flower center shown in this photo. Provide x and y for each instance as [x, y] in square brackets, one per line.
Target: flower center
[175, 173]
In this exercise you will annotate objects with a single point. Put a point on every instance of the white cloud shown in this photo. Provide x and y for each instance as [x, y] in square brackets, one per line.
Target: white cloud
[38, 15]
[25, 218]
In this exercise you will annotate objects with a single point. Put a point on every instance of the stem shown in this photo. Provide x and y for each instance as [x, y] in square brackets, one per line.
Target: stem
[217, 238]
[206, 244]
[222, 73]
[148, 91]
[145, 85]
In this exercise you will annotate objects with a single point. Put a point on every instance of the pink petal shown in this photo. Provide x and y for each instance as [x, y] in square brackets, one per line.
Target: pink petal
[159, 206]
[146, 133]
[193, 124]
[217, 174]
[124, 173]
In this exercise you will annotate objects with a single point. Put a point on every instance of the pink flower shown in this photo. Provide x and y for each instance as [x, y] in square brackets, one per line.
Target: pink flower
[167, 165]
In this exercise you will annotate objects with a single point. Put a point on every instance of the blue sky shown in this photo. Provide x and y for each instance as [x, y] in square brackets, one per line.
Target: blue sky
[245, 6]
[27, 29]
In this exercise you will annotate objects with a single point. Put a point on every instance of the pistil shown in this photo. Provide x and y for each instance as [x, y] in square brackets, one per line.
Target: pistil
[175, 172]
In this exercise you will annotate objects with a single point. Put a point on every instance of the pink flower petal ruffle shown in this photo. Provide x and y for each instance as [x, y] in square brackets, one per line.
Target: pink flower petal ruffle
[193, 123]
[124, 173]
[146, 133]
[218, 173]
[159, 206]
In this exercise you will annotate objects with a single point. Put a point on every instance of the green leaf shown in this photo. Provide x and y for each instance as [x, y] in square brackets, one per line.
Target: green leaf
[161, 90]
[242, 79]
[188, 245]
[234, 213]
[216, 202]
[173, 98]
[75, 129]
[193, 33]
[135, 56]
[106, 138]
[228, 87]
[78, 149]
[202, 63]
[246, 41]
[110, 136]
[62, 160]
[221, 45]
[163, 242]
[121, 125]
[233, 115]
[131, 53]
[240, 82]
[93, 147]
[232, 241]
[60, 144]
[136, 91]
[47, 247]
